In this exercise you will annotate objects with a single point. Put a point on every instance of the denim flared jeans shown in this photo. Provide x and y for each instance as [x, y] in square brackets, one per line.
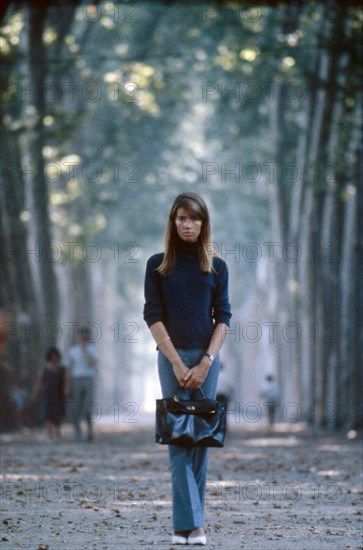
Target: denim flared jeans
[188, 464]
[82, 399]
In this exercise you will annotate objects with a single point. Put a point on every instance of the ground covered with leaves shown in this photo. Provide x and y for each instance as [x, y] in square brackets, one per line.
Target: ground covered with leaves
[290, 489]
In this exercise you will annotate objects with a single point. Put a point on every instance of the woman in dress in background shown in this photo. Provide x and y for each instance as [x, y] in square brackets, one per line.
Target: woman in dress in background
[187, 310]
[53, 383]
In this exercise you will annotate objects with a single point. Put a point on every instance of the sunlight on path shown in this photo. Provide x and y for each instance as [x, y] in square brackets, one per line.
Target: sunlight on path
[265, 490]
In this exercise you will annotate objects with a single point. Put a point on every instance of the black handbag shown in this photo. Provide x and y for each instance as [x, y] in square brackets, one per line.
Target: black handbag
[190, 423]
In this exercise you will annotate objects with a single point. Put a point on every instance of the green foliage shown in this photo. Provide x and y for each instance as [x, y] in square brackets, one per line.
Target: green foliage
[131, 119]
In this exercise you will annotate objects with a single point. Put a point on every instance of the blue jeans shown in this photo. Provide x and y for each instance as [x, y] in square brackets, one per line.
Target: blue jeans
[188, 464]
[82, 399]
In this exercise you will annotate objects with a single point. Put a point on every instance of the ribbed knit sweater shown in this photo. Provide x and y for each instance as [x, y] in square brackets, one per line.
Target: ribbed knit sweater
[189, 302]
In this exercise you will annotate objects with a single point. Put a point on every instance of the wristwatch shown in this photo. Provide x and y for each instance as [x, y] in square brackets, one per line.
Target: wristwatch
[210, 357]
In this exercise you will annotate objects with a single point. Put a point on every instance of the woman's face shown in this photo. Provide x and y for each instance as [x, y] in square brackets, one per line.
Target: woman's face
[187, 225]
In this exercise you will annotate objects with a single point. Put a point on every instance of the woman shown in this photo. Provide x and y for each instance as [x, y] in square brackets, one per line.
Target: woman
[53, 381]
[187, 310]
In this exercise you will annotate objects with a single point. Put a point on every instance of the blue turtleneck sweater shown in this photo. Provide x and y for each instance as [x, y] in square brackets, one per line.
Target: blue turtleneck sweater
[188, 301]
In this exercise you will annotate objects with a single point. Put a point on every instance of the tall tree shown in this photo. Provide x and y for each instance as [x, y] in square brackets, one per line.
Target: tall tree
[34, 167]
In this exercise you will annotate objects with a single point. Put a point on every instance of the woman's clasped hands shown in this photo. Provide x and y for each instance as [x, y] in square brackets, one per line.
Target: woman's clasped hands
[195, 376]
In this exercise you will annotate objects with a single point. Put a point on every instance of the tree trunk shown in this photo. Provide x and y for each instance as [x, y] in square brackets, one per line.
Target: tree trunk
[17, 294]
[315, 196]
[35, 180]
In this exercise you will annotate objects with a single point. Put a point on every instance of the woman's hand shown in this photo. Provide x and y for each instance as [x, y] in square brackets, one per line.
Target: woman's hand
[180, 371]
[196, 376]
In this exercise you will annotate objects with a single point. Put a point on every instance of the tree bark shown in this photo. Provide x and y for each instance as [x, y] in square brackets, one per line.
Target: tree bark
[35, 180]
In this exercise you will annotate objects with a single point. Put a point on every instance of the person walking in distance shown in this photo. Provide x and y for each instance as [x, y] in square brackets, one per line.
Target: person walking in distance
[225, 389]
[53, 380]
[187, 310]
[82, 360]
[270, 393]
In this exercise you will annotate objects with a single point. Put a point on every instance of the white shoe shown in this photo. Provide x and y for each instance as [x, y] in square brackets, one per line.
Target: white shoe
[178, 539]
[200, 539]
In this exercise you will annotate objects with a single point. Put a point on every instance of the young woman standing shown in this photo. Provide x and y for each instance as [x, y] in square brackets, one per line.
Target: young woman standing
[187, 310]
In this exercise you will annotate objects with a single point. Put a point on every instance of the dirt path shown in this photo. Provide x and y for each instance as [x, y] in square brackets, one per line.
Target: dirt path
[281, 491]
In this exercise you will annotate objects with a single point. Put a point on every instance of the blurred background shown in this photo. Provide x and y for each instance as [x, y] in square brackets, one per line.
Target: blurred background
[109, 110]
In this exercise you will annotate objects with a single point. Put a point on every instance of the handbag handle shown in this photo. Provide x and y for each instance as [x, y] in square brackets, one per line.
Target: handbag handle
[179, 388]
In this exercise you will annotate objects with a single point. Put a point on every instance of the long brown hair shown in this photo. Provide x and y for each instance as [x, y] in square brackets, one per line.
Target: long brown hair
[197, 207]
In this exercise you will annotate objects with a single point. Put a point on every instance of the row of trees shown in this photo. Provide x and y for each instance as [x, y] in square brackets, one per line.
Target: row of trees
[321, 212]
[110, 110]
